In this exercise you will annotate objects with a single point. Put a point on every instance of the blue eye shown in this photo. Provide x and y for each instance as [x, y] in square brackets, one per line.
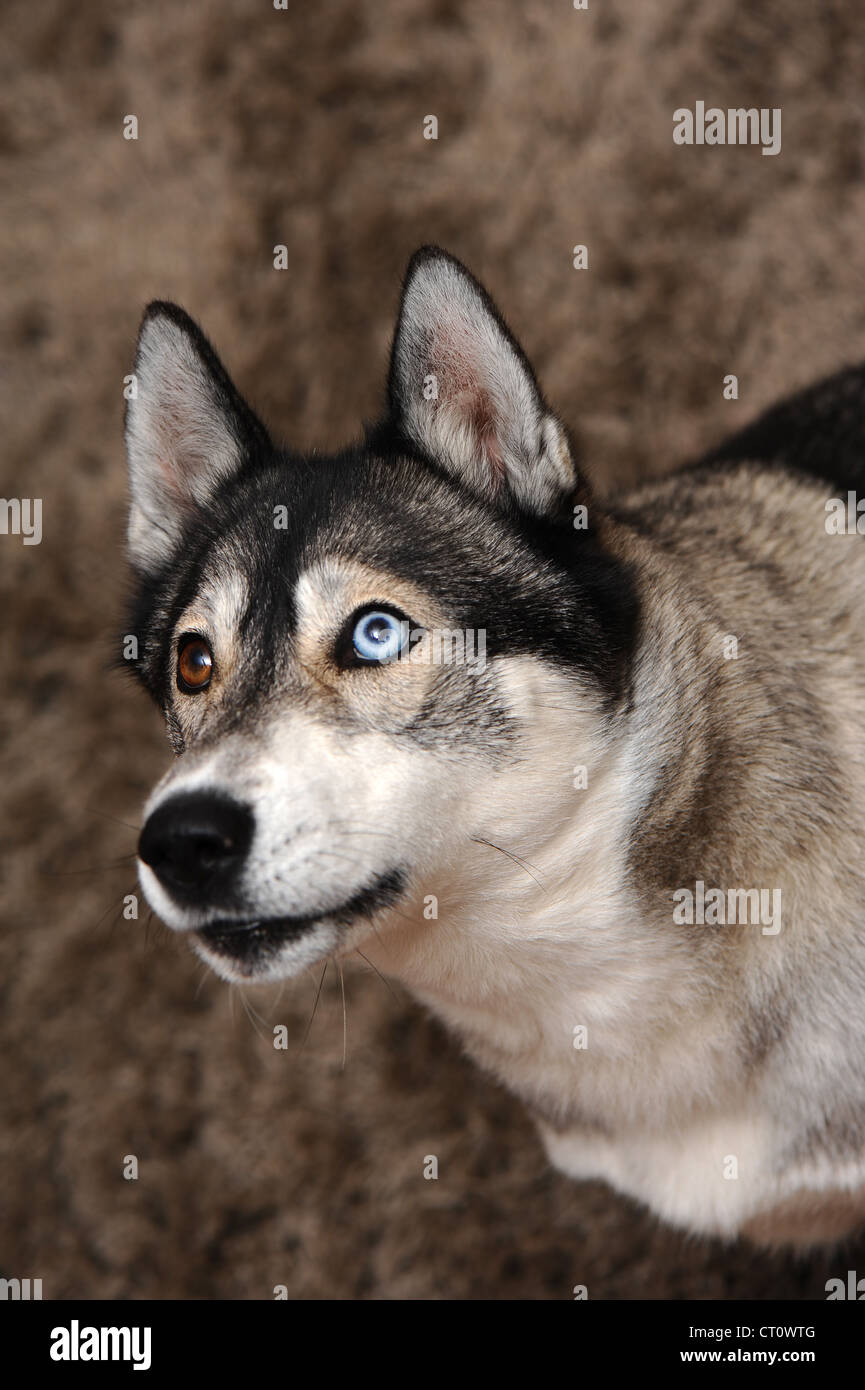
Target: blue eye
[379, 636]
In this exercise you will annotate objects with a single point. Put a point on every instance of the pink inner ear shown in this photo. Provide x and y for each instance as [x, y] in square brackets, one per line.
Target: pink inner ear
[464, 394]
[481, 416]
[174, 480]
[174, 486]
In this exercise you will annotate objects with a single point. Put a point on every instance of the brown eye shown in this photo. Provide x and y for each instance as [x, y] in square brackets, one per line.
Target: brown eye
[194, 663]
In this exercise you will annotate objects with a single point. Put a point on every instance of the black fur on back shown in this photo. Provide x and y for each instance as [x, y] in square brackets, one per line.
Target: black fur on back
[819, 431]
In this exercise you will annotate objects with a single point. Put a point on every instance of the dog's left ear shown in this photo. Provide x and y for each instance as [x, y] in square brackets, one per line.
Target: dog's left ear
[188, 431]
[463, 393]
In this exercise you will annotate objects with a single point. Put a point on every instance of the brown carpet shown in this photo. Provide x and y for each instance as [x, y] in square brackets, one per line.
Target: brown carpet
[304, 128]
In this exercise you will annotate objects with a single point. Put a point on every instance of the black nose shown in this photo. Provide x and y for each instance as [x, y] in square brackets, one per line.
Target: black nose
[196, 843]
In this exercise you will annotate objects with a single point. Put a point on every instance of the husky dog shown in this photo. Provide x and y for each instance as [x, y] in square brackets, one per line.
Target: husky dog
[620, 856]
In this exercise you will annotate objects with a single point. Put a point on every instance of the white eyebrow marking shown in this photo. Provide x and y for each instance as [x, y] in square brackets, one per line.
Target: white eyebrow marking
[218, 610]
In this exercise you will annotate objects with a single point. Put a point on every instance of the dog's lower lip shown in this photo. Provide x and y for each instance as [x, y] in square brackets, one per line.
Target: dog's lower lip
[235, 926]
[262, 935]
[257, 929]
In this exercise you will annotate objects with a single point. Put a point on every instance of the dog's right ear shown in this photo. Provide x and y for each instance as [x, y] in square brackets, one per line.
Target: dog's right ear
[462, 392]
[188, 430]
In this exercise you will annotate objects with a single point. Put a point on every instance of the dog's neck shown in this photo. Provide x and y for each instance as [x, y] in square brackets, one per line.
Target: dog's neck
[546, 925]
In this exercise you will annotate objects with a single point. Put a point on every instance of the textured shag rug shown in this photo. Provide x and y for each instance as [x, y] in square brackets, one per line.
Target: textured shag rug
[304, 128]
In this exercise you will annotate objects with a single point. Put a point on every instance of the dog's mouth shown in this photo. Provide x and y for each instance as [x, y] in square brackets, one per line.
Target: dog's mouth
[246, 942]
[243, 939]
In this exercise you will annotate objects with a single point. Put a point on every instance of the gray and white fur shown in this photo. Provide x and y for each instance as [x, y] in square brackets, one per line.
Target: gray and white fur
[673, 695]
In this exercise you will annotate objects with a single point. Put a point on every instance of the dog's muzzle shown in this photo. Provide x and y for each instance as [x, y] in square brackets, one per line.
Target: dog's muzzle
[197, 846]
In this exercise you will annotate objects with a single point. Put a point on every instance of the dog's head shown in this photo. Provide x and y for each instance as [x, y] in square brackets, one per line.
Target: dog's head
[366, 662]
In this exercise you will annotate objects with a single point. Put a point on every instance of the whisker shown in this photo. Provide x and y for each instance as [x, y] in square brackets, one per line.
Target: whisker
[384, 981]
[263, 1021]
[112, 907]
[122, 863]
[205, 971]
[106, 815]
[245, 1002]
[335, 854]
[516, 859]
[314, 1008]
[379, 937]
[356, 830]
[344, 1014]
[147, 927]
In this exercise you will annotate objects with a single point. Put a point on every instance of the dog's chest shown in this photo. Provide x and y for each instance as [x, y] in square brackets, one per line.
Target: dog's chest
[629, 1121]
